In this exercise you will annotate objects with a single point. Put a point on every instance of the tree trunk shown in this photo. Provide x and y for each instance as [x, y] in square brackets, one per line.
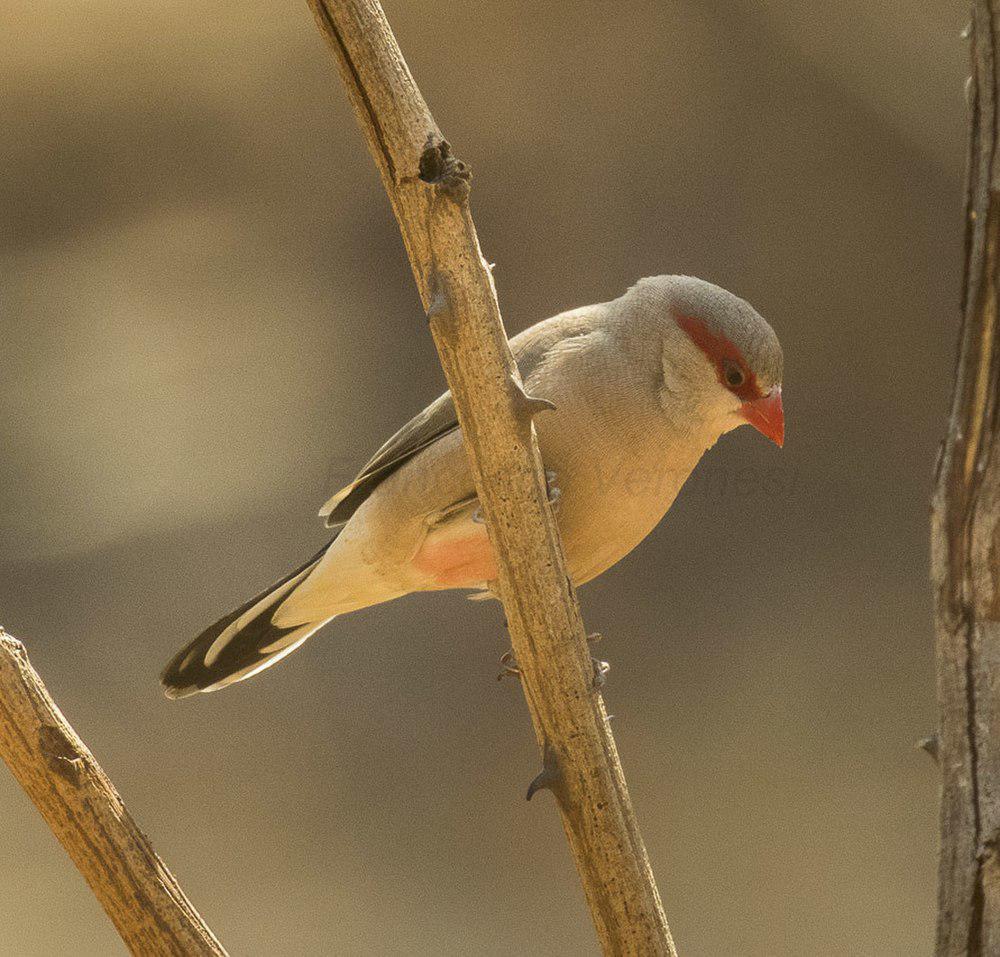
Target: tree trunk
[965, 552]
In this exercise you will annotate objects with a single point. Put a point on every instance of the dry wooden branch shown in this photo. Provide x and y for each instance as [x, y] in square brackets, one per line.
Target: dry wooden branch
[429, 191]
[86, 814]
[965, 553]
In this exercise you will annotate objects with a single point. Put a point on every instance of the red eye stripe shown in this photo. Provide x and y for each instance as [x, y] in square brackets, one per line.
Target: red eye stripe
[719, 349]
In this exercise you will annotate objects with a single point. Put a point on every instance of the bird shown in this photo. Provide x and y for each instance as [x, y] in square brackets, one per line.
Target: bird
[640, 388]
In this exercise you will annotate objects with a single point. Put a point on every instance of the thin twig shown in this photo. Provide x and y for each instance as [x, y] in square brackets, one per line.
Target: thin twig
[429, 188]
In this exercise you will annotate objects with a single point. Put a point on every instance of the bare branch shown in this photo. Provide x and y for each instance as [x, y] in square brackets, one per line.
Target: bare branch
[429, 189]
[965, 556]
[86, 814]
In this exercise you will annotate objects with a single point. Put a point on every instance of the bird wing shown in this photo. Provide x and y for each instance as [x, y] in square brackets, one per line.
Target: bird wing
[438, 419]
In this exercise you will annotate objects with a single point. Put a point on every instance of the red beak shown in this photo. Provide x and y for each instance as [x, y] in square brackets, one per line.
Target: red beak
[767, 416]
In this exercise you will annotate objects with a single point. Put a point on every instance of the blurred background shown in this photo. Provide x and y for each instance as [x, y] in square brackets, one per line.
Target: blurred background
[209, 324]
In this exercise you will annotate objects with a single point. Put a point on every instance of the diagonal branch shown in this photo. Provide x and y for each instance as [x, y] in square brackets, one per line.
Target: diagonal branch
[84, 811]
[429, 191]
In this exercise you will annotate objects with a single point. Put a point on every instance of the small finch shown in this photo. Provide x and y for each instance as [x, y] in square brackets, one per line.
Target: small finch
[642, 387]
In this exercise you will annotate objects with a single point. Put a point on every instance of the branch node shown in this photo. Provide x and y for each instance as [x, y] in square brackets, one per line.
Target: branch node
[439, 167]
[60, 754]
[549, 778]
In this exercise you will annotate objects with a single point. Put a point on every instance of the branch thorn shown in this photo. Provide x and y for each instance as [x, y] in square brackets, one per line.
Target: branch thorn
[548, 778]
[528, 406]
[930, 744]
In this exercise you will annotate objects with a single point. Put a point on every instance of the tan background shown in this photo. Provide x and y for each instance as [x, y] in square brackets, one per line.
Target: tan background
[208, 324]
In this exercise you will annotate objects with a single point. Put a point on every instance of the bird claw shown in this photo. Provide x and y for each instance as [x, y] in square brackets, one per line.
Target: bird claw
[601, 669]
[508, 666]
[553, 491]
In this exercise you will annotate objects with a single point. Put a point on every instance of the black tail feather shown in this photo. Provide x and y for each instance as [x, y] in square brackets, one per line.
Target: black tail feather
[189, 671]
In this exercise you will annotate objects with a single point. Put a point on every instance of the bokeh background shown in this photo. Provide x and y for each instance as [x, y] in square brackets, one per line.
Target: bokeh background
[208, 324]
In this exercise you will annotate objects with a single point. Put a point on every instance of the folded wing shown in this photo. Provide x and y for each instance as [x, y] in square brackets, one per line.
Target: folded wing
[438, 419]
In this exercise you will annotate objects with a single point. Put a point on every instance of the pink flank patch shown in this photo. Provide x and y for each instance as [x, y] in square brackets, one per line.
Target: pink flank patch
[459, 558]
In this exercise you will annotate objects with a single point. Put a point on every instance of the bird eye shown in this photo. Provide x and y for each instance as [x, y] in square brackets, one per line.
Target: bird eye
[733, 374]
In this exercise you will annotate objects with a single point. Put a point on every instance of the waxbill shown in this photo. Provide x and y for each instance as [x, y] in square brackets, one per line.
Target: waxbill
[642, 386]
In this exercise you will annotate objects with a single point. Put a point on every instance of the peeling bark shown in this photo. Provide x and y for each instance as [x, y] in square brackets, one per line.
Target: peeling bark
[965, 551]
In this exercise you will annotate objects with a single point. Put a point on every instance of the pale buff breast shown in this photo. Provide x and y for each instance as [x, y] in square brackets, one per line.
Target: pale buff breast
[615, 487]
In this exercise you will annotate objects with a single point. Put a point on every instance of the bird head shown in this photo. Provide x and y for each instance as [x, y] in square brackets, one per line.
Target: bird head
[721, 362]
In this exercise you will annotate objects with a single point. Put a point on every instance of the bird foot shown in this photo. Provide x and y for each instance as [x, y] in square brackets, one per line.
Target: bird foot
[508, 666]
[553, 490]
[510, 669]
[601, 669]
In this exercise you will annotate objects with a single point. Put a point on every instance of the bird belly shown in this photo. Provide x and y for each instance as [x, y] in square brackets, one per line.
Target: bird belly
[614, 500]
[597, 538]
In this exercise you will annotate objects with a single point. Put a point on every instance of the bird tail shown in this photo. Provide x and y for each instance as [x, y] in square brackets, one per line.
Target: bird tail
[241, 644]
